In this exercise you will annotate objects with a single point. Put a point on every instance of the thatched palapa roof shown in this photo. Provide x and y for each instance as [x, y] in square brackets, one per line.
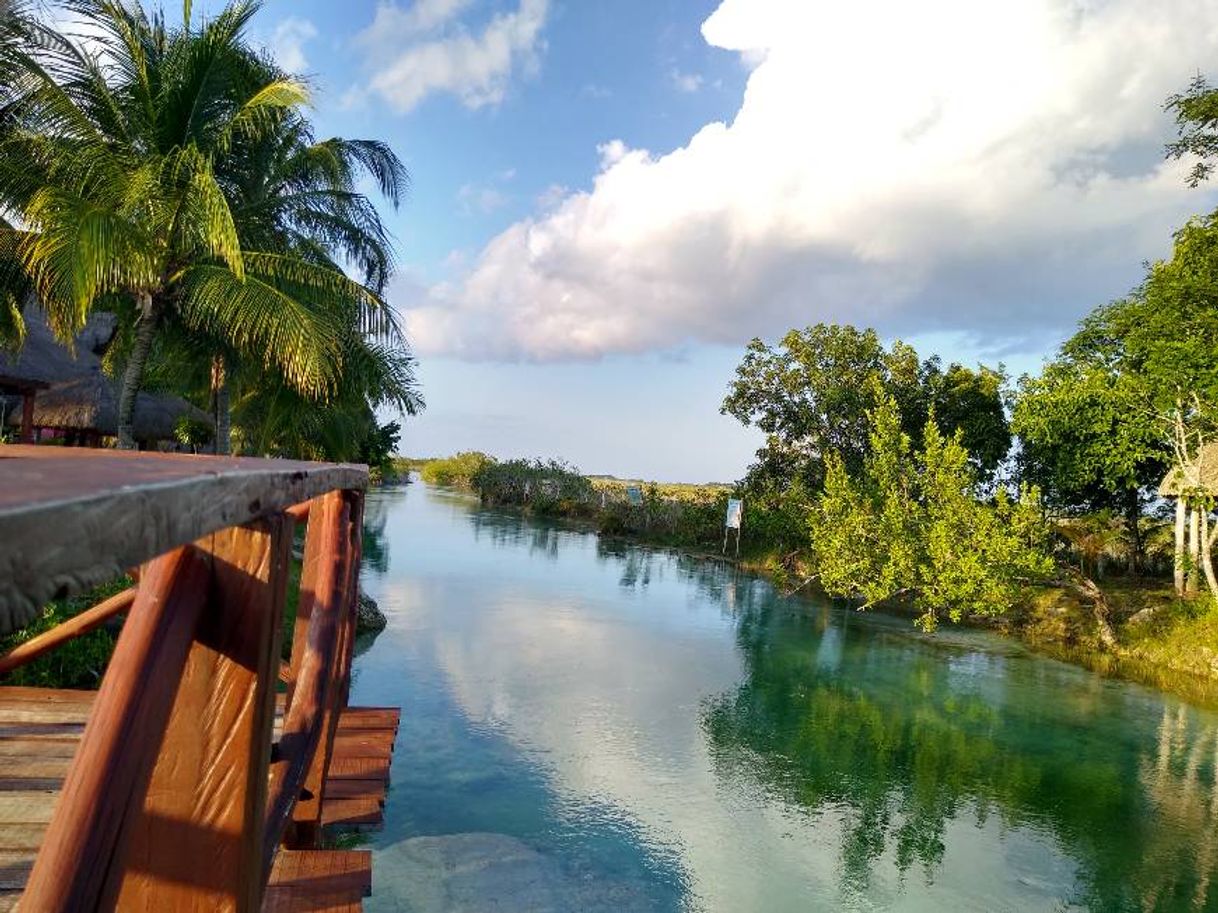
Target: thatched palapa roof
[73, 391]
[1202, 472]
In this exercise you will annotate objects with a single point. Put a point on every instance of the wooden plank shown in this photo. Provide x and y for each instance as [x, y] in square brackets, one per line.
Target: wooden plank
[47, 713]
[360, 745]
[17, 769]
[197, 845]
[8, 900]
[356, 789]
[38, 729]
[37, 748]
[27, 806]
[75, 517]
[105, 787]
[359, 768]
[15, 868]
[352, 814]
[18, 694]
[324, 871]
[302, 900]
[22, 836]
[369, 718]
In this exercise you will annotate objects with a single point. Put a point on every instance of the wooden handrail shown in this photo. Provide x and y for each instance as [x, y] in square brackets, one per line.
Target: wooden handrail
[78, 625]
[75, 869]
[322, 599]
[174, 799]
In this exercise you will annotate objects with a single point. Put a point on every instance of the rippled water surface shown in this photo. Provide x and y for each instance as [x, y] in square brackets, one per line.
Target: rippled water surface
[605, 728]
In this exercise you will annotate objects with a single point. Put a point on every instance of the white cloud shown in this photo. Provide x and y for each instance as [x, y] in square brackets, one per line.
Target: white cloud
[988, 168]
[475, 198]
[424, 50]
[392, 24]
[288, 41]
[686, 82]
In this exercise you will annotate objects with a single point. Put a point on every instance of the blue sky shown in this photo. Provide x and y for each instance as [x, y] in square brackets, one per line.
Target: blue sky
[610, 199]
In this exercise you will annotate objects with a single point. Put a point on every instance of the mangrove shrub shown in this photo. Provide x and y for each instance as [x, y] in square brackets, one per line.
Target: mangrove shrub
[913, 524]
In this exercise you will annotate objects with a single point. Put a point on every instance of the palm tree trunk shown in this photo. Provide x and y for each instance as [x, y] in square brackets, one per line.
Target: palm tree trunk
[222, 399]
[133, 376]
[1181, 511]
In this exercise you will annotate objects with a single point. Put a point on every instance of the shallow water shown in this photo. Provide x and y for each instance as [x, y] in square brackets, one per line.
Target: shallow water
[608, 728]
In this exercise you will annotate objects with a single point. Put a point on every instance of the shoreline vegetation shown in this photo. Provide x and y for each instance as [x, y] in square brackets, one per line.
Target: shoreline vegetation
[1145, 632]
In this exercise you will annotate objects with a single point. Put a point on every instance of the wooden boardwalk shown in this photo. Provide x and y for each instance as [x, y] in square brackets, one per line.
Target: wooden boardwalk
[40, 729]
[204, 774]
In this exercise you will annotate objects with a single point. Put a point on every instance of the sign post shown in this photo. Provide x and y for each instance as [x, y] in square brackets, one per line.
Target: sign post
[735, 516]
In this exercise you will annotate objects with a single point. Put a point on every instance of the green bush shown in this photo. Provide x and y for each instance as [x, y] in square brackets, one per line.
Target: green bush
[79, 663]
[547, 486]
[456, 471]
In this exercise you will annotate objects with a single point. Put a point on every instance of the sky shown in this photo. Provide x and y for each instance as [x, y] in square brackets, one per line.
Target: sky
[610, 199]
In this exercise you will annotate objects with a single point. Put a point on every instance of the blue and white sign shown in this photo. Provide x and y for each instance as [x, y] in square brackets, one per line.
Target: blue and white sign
[735, 512]
[634, 495]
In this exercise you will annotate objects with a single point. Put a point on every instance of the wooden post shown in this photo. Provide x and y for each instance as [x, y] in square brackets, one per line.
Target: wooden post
[27, 416]
[322, 589]
[305, 831]
[198, 843]
[86, 842]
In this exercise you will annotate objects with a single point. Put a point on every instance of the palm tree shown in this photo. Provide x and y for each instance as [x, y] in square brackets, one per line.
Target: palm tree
[296, 195]
[116, 167]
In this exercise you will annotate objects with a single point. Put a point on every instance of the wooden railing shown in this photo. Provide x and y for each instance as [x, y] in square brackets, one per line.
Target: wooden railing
[180, 795]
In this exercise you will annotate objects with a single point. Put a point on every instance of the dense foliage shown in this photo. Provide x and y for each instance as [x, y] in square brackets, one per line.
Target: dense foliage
[169, 174]
[913, 523]
[811, 396]
[545, 485]
[456, 471]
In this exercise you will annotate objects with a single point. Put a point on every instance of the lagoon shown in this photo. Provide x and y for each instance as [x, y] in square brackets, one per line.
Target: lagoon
[596, 726]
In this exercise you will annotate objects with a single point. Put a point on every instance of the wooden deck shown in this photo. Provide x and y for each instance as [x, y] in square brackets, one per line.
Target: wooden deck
[204, 774]
[40, 730]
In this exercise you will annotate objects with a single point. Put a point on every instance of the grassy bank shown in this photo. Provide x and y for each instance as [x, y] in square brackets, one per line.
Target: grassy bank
[1159, 639]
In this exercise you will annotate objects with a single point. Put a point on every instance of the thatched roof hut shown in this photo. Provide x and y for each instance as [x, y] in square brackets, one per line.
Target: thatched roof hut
[43, 360]
[73, 394]
[89, 403]
[1202, 472]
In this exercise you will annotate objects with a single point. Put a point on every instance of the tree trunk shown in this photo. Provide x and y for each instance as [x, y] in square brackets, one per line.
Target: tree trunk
[1181, 510]
[133, 376]
[1207, 556]
[1133, 516]
[220, 396]
[1194, 550]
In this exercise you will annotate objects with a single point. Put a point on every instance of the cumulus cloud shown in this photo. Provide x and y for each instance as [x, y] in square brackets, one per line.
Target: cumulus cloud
[288, 41]
[988, 168]
[425, 49]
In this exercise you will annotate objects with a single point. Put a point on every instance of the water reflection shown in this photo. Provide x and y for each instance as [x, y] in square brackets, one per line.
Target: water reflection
[899, 743]
[593, 726]
[512, 530]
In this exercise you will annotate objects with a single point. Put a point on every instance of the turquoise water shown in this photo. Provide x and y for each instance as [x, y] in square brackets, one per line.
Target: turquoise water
[608, 728]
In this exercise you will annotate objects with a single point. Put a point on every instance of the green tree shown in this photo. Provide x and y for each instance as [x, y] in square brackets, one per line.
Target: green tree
[1088, 438]
[912, 523]
[811, 395]
[115, 162]
[1196, 111]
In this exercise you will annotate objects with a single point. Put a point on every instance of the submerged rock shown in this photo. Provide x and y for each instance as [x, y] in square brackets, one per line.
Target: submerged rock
[368, 615]
[490, 873]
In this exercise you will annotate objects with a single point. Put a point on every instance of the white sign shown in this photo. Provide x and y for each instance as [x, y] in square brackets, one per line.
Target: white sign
[735, 511]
